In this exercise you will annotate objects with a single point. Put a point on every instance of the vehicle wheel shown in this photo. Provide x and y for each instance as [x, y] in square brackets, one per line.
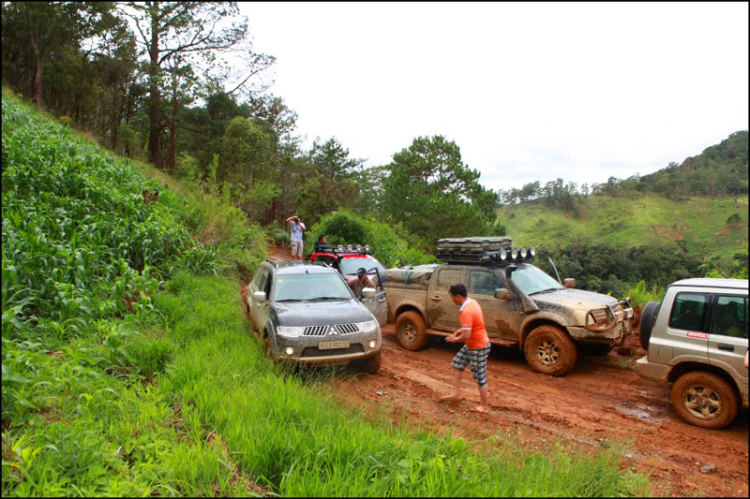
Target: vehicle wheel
[411, 331]
[704, 399]
[266, 346]
[550, 351]
[372, 364]
[648, 318]
[597, 349]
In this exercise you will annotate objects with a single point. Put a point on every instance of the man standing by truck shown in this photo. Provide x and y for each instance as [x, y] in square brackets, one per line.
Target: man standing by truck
[475, 350]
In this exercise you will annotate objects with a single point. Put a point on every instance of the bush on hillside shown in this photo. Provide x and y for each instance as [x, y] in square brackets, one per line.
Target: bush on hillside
[388, 242]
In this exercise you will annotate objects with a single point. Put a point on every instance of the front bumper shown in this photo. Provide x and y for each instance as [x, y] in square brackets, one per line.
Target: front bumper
[305, 349]
[652, 371]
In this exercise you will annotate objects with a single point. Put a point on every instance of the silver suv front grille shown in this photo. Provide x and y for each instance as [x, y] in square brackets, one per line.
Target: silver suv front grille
[324, 330]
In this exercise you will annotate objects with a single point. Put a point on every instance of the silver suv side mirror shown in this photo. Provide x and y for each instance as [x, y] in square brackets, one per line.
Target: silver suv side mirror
[502, 294]
[368, 292]
[259, 296]
[569, 282]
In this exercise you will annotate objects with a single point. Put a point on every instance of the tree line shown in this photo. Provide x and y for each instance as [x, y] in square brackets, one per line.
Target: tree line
[178, 84]
[720, 170]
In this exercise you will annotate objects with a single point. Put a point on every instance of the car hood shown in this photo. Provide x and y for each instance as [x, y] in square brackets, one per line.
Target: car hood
[574, 299]
[318, 313]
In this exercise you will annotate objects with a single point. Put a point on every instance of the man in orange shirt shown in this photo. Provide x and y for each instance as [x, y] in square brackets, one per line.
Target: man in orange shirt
[475, 350]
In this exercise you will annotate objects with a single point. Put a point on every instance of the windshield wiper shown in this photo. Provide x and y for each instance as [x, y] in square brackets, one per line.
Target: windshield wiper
[548, 290]
[329, 298]
[290, 299]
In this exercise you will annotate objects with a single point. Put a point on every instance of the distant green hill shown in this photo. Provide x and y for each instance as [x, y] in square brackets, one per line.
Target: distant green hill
[699, 224]
[721, 169]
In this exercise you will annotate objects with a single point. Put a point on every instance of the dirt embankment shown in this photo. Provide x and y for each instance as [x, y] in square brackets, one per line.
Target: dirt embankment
[602, 400]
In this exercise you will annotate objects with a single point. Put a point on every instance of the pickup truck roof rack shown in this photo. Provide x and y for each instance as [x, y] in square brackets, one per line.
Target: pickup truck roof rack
[495, 251]
[337, 250]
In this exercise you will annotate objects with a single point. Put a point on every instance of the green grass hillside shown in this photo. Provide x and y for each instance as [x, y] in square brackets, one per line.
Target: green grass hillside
[129, 368]
[635, 221]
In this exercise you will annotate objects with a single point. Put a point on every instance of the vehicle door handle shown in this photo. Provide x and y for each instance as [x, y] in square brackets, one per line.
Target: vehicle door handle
[726, 348]
[436, 297]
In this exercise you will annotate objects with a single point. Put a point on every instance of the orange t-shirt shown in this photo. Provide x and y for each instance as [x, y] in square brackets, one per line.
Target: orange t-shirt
[473, 318]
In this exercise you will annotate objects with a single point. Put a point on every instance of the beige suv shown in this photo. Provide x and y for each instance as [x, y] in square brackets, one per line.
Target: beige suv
[696, 338]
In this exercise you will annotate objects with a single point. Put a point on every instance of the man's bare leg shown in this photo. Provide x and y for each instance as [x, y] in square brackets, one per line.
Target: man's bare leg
[484, 395]
[456, 395]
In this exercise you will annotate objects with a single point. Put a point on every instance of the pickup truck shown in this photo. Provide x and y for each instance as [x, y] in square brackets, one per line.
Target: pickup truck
[523, 308]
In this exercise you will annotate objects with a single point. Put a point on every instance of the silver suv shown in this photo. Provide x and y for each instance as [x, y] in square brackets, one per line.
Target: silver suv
[696, 338]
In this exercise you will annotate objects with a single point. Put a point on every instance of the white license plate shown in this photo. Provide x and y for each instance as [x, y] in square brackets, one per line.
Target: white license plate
[327, 345]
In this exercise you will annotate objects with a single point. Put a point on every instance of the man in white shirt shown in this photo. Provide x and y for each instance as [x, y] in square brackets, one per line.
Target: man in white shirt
[297, 228]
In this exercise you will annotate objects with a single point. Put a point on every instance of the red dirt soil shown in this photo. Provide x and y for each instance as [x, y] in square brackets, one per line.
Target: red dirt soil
[602, 400]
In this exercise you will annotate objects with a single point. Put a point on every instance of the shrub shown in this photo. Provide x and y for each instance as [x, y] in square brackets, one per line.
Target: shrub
[734, 218]
[639, 295]
[388, 242]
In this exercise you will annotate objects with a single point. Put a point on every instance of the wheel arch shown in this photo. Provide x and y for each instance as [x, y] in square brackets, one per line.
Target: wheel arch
[534, 323]
[410, 307]
[687, 367]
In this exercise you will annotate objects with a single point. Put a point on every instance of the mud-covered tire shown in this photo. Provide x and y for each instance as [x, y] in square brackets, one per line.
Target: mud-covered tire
[596, 349]
[549, 350]
[372, 364]
[648, 319]
[266, 347]
[411, 331]
[704, 399]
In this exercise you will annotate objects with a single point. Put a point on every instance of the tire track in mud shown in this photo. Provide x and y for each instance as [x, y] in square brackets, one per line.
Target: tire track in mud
[600, 402]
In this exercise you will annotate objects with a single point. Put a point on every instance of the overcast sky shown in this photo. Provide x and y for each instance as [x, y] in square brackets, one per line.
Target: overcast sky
[528, 91]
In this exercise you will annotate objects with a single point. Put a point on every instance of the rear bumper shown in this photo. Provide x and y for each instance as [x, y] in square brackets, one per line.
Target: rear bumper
[652, 371]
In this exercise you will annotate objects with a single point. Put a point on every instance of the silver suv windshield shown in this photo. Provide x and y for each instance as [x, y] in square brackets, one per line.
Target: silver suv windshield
[532, 280]
[303, 287]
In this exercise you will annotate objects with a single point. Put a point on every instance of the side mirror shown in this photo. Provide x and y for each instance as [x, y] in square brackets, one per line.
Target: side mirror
[502, 294]
[259, 296]
[368, 292]
[569, 282]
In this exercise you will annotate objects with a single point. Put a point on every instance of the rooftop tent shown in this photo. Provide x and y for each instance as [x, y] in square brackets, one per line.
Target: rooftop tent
[419, 274]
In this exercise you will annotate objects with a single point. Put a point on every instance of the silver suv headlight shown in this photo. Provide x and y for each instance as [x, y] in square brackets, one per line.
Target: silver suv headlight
[290, 331]
[367, 326]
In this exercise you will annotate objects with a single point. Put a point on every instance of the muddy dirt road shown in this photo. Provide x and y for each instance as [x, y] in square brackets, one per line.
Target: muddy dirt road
[600, 401]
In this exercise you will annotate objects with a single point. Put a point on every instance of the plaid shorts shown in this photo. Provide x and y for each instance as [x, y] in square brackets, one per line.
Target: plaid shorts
[478, 360]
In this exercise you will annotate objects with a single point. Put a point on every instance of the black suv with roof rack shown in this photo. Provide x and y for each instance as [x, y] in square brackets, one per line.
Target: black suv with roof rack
[304, 312]
[523, 307]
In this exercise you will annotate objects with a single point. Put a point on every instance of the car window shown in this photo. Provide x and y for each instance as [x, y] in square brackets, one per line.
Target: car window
[449, 277]
[260, 280]
[688, 312]
[730, 316]
[530, 280]
[350, 266]
[301, 287]
[483, 283]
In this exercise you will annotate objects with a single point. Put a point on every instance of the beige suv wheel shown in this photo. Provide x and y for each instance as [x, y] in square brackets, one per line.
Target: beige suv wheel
[705, 399]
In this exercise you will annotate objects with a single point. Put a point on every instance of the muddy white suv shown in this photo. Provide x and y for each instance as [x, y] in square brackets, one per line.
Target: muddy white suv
[696, 338]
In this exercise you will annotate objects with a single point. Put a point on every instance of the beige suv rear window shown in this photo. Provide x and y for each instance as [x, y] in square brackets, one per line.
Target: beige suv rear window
[688, 311]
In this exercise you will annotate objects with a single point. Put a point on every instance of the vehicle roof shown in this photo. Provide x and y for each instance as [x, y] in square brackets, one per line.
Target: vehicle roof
[299, 267]
[707, 282]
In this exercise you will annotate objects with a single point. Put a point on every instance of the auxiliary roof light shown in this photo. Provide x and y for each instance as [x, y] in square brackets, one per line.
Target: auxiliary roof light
[349, 248]
[514, 253]
[367, 247]
[341, 247]
[523, 252]
[503, 254]
[359, 247]
[532, 251]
